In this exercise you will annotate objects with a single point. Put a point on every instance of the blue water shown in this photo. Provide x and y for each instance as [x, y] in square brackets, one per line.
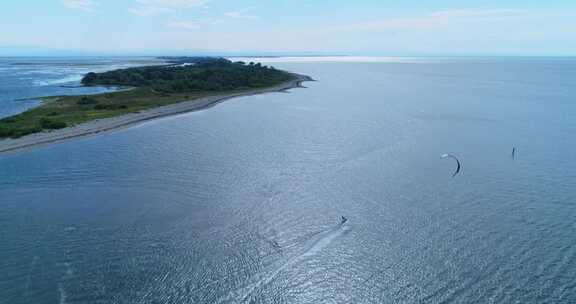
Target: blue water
[241, 203]
[23, 79]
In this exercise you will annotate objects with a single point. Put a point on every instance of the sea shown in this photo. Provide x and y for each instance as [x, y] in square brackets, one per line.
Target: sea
[243, 202]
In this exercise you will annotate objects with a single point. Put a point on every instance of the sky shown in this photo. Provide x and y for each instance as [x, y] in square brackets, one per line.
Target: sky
[361, 27]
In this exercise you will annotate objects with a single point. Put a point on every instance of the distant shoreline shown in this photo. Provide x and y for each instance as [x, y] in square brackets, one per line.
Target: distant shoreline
[124, 121]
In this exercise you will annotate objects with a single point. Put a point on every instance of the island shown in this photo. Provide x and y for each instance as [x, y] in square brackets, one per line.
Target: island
[181, 85]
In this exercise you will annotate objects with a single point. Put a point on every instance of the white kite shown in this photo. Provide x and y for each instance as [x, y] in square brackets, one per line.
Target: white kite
[457, 162]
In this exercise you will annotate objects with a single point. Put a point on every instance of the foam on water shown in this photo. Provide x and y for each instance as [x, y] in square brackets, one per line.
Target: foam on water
[67, 79]
[62, 296]
[32, 267]
[69, 74]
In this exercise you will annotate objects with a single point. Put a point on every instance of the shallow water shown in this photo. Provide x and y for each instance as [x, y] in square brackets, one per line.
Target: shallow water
[23, 79]
[241, 203]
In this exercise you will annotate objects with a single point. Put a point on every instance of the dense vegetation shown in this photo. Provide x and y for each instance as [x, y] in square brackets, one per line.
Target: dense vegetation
[183, 79]
[193, 75]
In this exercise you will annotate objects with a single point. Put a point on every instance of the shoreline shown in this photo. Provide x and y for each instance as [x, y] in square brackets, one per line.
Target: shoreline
[99, 126]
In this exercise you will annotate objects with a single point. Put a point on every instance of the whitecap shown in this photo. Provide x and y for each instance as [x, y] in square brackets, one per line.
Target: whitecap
[67, 79]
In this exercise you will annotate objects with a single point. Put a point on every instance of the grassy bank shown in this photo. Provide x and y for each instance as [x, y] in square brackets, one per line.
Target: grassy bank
[187, 79]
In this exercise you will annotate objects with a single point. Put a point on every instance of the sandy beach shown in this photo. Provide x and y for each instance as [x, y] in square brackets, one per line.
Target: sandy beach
[114, 123]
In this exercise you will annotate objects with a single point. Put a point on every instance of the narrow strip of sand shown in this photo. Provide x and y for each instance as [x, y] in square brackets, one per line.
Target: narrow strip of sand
[128, 120]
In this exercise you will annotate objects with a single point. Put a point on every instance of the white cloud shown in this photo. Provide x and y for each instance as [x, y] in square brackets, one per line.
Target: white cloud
[145, 11]
[433, 20]
[459, 13]
[186, 25]
[192, 24]
[173, 3]
[156, 7]
[86, 5]
[240, 14]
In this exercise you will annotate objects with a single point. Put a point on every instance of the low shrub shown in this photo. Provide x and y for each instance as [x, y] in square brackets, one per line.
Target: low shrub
[5, 132]
[87, 101]
[46, 123]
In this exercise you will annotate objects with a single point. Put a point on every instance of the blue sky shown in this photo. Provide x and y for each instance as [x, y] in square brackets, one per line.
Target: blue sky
[369, 27]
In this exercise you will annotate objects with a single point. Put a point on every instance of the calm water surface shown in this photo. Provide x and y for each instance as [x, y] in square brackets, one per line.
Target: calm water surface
[241, 203]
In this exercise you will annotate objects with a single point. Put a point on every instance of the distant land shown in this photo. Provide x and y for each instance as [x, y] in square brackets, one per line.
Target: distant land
[183, 84]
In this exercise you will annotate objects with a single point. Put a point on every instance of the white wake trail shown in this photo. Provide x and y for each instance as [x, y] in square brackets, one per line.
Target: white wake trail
[316, 244]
